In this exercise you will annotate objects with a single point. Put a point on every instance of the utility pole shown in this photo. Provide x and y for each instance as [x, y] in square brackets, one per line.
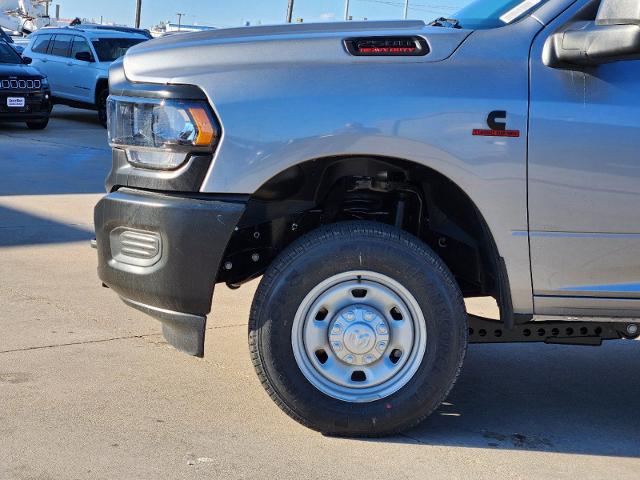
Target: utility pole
[290, 11]
[180, 15]
[406, 9]
[138, 12]
[346, 10]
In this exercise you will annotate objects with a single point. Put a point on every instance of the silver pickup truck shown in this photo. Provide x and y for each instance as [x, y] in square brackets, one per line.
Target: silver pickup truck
[375, 174]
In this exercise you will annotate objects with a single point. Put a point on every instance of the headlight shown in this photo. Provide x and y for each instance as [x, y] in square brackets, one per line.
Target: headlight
[159, 133]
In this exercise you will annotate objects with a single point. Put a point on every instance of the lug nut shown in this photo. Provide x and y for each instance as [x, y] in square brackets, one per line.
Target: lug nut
[255, 257]
[335, 330]
[632, 329]
[228, 265]
[348, 359]
[368, 316]
[337, 346]
[349, 316]
[369, 358]
[382, 346]
[382, 330]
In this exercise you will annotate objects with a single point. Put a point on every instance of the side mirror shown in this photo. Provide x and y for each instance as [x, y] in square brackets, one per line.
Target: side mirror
[27, 60]
[84, 56]
[614, 36]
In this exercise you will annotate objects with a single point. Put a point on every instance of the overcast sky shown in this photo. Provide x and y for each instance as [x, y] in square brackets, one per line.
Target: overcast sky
[227, 13]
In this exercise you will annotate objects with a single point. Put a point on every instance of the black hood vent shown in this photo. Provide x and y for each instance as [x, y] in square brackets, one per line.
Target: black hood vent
[402, 46]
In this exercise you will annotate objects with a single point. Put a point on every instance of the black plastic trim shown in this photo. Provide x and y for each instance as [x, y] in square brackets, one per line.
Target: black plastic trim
[386, 46]
[194, 234]
[120, 85]
[187, 178]
[183, 331]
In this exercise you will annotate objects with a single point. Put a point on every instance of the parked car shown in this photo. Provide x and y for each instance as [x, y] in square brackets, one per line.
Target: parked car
[24, 91]
[77, 60]
[375, 174]
[4, 36]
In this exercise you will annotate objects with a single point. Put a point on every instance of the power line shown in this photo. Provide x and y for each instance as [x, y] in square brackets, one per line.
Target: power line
[428, 8]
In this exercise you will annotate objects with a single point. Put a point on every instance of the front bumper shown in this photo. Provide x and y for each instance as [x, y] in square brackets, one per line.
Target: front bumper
[161, 253]
[37, 106]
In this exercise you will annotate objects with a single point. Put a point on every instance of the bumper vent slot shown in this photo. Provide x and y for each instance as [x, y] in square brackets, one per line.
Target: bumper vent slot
[135, 247]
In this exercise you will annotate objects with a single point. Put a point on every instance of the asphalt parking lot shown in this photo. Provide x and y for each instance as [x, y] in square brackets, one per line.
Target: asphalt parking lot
[89, 388]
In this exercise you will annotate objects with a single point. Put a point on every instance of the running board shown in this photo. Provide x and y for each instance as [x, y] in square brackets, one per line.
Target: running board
[484, 330]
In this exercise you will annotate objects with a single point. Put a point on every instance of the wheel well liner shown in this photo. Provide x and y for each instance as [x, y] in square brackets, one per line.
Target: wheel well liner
[412, 196]
[101, 84]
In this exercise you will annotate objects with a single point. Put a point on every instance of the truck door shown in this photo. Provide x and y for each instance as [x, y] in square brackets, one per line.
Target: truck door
[584, 183]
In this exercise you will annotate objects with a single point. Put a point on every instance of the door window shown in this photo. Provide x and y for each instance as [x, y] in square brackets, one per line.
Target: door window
[41, 43]
[61, 45]
[110, 49]
[80, 45]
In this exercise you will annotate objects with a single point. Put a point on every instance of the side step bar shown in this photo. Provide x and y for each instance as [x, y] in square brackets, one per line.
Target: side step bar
[484, 330]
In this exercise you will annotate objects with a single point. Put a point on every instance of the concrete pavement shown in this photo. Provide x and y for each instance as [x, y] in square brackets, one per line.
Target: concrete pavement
[89, 388]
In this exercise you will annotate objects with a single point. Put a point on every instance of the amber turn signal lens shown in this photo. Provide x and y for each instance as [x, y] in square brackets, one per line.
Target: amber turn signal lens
[206, 131]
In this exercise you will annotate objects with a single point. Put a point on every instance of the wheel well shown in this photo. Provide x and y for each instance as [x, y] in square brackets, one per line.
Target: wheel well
[100, 86]
[412, 197]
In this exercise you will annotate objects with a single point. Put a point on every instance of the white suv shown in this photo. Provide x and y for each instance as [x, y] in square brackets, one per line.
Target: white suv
[76, 60]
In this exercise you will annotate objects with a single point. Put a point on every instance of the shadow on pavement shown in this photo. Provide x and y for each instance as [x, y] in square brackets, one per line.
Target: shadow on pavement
[89, 117]
[42, 169]
[563, 399]
[70, 156]
[19, 228]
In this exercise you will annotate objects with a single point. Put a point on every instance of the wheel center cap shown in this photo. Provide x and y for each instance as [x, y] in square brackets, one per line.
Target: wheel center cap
[359, 338]
[359, 335]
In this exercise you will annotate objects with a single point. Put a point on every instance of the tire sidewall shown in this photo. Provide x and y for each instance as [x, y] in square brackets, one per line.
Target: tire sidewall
[407, 261]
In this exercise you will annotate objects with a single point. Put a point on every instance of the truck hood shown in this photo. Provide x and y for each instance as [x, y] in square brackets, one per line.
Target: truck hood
[169, 59]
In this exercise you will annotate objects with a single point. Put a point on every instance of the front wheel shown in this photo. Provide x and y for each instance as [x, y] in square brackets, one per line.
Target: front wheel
[358, 329]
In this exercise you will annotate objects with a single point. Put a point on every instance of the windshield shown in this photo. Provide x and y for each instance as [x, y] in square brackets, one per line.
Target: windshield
[481, 14]
[4, 36]
[110, 49]
[8, 54]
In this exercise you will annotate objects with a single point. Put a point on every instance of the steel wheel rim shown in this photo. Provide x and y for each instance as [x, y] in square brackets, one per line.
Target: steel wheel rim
[359, 336]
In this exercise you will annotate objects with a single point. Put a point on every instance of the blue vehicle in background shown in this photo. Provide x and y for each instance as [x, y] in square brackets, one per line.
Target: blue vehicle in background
[4, 36]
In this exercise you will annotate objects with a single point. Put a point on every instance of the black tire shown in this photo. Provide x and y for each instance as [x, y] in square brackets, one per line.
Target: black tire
[332, 250]
[101, 104]
[38, 124]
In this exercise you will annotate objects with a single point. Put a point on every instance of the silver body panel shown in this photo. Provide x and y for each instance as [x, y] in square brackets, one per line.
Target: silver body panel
[289, 94]
[584, 186]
